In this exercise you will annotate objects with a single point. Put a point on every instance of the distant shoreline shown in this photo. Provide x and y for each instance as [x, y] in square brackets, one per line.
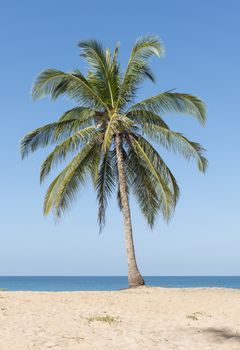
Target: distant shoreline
[109, 283]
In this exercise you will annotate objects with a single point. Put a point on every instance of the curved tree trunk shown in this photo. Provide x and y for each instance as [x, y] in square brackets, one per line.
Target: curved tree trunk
[134, 277]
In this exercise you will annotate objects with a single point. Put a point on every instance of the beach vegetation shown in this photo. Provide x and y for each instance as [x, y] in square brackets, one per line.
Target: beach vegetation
[106, 318]
[195, 315]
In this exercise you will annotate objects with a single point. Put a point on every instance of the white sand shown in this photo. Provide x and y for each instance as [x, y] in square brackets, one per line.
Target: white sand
[146, 318]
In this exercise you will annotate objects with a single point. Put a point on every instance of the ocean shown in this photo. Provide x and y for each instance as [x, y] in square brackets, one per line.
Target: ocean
[98, 283]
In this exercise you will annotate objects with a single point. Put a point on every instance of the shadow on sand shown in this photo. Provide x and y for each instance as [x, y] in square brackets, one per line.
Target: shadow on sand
[220, 335]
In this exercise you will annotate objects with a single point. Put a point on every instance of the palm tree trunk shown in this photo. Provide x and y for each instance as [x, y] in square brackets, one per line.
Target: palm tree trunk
[134, 277]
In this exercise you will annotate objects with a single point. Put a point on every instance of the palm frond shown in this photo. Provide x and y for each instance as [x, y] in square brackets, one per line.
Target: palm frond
[138, 69]
[143, 186]
[146, 47]
[165, 195]
[141, 117]
[79, 112]
[104, 76]
[178, 143]
[160, 167]
[173, 102]
[53, 83]
[52, 192]
[50, 134]
[104, 186]
[62, 192]
[71, 145]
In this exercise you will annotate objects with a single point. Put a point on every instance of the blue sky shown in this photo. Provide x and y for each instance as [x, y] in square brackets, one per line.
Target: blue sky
[202, 58]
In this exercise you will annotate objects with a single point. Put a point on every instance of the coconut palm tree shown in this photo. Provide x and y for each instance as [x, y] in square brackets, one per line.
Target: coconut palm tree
[109, 134]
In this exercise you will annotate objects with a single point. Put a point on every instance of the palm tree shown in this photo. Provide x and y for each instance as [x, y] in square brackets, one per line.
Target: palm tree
[109, 134]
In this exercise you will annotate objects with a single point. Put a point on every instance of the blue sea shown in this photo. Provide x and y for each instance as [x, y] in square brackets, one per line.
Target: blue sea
[78, 283]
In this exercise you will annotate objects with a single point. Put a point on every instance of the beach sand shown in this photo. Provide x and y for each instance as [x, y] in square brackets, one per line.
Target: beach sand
[144, 318]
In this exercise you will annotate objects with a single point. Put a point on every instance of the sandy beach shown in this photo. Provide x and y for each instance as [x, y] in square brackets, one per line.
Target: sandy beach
[145, 318]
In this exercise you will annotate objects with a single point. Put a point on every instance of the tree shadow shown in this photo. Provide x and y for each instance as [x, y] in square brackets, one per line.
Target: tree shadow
[222, 334]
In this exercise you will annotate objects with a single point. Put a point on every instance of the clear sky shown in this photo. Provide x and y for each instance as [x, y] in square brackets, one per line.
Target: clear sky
[203, 58]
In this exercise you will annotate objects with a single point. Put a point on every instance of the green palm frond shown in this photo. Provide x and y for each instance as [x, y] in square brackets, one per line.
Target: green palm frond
[53, 83]
[146, 47]
[63, 192]
[52, 192]
[178, 143]
[143, 186]
[79, 112]
[40, 137]
[166, 198]
[50, 134]
[72, 144]
[104, 75]
[173, 102]
[95, 55]
[160, 167]
[104, 185]
[141, 117]
[138, 69]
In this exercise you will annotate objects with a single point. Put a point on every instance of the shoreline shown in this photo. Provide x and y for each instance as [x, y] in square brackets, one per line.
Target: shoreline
[90, 283]
[6, 291]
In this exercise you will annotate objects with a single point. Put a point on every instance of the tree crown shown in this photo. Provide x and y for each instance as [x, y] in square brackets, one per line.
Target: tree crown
[106, 107]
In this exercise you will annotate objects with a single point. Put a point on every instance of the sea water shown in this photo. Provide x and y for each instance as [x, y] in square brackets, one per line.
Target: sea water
[78, 283]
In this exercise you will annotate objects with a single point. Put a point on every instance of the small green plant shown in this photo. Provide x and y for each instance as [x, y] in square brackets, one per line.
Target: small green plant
[3, 289]
[194, 315]
[108, 319]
